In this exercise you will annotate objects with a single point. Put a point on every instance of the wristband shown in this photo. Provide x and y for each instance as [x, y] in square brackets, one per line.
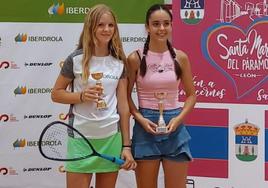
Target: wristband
[126, 146]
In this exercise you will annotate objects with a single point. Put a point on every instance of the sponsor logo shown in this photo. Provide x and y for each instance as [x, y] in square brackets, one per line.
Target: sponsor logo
[37, 116]
[61, 169]
[8, 65]
[77, 10]
[7, 171]
[112, 77]
[133, 39]
[3, 171]
[21, 37]
[44, 143]
[24, 37]
[39, 90]
[38, 64]
[192, 11]
[20, 143]
[7, 118]
[63, 116]
[4, 117]
[22, 90]
[246, 141]
[39, 169]
[56, 9]
[60, 9]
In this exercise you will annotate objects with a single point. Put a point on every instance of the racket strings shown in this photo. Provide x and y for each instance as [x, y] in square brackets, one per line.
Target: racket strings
[70, 145]
[55, 134]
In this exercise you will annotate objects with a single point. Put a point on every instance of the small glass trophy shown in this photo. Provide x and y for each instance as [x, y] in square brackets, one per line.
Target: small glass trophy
[101, 104]
[161, 128]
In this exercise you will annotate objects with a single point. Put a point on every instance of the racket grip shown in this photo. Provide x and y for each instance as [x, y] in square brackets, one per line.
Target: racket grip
[113, 159]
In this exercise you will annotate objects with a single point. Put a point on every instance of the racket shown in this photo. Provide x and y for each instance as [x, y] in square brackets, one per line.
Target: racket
[56, 138]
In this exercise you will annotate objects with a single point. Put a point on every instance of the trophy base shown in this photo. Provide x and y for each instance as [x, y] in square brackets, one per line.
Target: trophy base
[101, 105]
[161, 129]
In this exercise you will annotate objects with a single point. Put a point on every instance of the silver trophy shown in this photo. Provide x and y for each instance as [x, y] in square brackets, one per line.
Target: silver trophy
[161, 128]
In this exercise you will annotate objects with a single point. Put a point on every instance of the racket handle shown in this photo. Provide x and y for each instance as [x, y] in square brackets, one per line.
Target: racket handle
[113, 159]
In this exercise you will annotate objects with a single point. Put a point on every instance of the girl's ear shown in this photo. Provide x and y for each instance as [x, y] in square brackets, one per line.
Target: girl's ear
[147, 28]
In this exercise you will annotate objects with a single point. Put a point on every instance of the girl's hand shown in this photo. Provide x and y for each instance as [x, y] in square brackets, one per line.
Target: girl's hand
[91, 94]
[129, 164]
[173, 125]
[148, 125]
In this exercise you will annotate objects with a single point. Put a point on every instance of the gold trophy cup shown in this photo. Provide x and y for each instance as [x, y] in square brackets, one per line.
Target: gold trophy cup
[161, 128]
[101, 104]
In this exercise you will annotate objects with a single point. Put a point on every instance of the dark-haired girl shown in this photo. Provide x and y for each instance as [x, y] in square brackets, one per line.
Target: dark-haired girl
[156, 69]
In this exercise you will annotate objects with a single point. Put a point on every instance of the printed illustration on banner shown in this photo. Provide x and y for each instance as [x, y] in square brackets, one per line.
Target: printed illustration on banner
[239, 54]
[246, 11]
[246, 141]
[192, 11]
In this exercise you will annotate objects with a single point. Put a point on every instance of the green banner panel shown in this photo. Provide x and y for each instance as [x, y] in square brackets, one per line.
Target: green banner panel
[73, 11]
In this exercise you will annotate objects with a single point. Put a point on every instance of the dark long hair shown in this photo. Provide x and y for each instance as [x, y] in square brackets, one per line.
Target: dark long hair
[143, 65]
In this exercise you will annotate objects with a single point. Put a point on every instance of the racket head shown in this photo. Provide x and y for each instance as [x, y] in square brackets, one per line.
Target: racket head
[58, 138]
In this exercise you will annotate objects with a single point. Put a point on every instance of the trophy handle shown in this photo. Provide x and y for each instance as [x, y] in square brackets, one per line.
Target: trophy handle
[161, 107]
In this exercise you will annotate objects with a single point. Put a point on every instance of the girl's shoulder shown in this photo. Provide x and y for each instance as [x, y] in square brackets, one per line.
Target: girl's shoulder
[134, 56]
[76, 52]
[133, 60]
[180, 53]
[181, 56]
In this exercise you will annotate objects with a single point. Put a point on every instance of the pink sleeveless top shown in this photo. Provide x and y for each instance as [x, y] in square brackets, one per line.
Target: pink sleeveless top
[160, 77]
